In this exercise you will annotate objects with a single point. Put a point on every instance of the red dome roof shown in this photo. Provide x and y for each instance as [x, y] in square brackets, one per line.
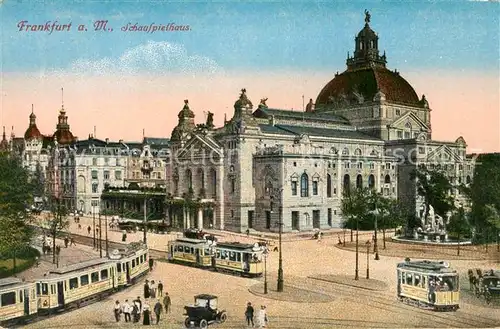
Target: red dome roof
[64, 137]
[367, 81]
[32, 132]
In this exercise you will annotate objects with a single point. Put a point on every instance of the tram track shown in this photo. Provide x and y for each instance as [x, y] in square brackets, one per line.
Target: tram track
[390, 304]
[384, 301]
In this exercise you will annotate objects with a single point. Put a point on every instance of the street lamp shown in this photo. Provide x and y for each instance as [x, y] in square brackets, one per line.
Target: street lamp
[106, 224]
[368, 243]
[265, 253]
[93, 224]
[277, 195]
[144, 222]
[376, 213]
[356, 272]
[100, 234]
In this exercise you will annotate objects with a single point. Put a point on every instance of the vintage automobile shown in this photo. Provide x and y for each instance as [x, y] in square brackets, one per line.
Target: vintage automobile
[204, 312]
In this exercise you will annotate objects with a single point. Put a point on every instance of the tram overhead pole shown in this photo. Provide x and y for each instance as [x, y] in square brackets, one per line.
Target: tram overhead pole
[356, 271]
[277, 197]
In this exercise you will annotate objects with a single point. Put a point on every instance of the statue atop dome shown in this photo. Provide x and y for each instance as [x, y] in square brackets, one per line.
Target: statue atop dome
[367, 17]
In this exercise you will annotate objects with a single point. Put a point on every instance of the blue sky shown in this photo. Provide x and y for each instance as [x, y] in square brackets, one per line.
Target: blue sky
[259, 35]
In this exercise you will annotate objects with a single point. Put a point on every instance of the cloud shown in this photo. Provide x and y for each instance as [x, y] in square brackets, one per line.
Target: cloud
[151, 57]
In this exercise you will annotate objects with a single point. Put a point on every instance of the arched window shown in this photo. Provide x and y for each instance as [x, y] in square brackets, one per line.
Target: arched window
[328, 186]
[269, 186]
[304, 185]
[347, 182]
[201, 176]
[333, 150]
[358, 152]
[467, 179]
[387, 179]
[371, 181]
[345, 151]
[189, 178]
[359, 182]
[213, 182]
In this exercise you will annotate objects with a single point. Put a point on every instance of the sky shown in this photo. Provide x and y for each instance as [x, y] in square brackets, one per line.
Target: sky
[122, 82]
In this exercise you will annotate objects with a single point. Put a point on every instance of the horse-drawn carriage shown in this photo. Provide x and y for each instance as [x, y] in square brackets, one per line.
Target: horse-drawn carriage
[204, 312]
[485, 284]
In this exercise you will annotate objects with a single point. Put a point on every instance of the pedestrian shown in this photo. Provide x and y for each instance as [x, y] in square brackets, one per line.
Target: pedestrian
[66, 242]
[262, 317]
[89, 229]
[157, 309]
[248, 232]
[152, 289]
[97, 231]
[72, 242]
[126, 310]
[135, 312]
[79, 226]
[151, 263]
[137, 309]
[118, 311]
[146, 316]
[166, 303]
[160, 289]
[147, 291]
[249, 314]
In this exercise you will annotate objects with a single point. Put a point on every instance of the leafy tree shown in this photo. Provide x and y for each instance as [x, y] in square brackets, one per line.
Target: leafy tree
[15, 196]
[483, 190]
[354, 206]
[56, 221]
[493, 218]
[459, 225]
[434, 187]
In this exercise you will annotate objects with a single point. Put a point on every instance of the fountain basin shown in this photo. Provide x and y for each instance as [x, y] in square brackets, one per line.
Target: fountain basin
[431, 240]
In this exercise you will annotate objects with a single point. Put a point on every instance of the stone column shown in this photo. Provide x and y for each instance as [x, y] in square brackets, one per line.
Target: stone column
[200, 218]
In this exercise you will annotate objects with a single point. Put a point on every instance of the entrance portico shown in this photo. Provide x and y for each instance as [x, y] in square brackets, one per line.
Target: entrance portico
[185, 213]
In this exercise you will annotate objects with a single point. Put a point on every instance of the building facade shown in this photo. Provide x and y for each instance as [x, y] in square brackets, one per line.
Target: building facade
[269, 166]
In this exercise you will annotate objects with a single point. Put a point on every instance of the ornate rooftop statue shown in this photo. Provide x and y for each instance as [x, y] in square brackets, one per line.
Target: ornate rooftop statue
[367, 16]
[263, 103]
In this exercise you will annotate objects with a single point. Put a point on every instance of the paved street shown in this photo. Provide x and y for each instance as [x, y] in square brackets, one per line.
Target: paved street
[319, 292]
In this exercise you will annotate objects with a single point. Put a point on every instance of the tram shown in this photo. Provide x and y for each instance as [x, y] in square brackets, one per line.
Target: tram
[428, 284]
[71, 286]
[232, 257]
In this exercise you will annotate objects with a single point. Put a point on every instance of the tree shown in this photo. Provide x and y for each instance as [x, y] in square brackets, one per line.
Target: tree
[434, 187]
[354, 206]
[484, 189]
[56, 222]
[15, 197]
[493, 218]
[459, 225]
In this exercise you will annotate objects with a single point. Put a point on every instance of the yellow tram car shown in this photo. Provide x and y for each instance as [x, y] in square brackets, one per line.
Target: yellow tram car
[245, 259]
[131, 264]
[17, 299]
[428, 284]
[76, 284]
[190, 251]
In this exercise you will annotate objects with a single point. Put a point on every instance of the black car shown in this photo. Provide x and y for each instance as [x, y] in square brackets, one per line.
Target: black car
[204, 312]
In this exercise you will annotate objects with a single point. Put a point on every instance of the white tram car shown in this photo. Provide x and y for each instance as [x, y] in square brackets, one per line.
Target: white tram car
[429, 284]
[17, 299]
[72, 286]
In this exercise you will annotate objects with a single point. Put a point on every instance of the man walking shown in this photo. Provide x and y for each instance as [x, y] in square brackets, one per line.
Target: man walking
[160, 289]
[166, 303]
[157, 309]
[249, 314]
[126, 311]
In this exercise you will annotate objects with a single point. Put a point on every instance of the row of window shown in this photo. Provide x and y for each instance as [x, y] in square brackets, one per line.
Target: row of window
[444, 283]
[188, 250]
[106, 174]
[9, 298]
[358, 165]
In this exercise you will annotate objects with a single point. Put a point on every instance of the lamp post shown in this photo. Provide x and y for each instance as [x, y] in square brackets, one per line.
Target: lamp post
[144, 222]
[100, 235]
[376, 213]
[106, 224]
[356, 272]
[368, 259]
[277, 196]
[461, 214]
[265, 253]
[93, 224]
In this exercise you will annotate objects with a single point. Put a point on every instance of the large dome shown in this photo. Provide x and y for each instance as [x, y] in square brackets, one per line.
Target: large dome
[367, 81]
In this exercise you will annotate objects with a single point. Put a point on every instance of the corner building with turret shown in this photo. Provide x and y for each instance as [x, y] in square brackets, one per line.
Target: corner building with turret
[368, 127]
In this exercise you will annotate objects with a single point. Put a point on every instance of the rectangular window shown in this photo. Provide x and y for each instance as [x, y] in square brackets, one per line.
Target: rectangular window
[360, 165]
[106, 160]
[21, 296]
[119, 267]
[104, 274]
[133, 263]
[73, 283]
[233, 185]
[106, 174]
[347, 165]
[94, 161]
[294, 188]
[94, 277]
[84, 280]
[335, 191]
[94, 174]
[118, 175]
[315, 188]
[330, 217]
[407, 135]
[8, 298]
[45, 289]
[95, 187]
[400, 134]
[421, 150]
